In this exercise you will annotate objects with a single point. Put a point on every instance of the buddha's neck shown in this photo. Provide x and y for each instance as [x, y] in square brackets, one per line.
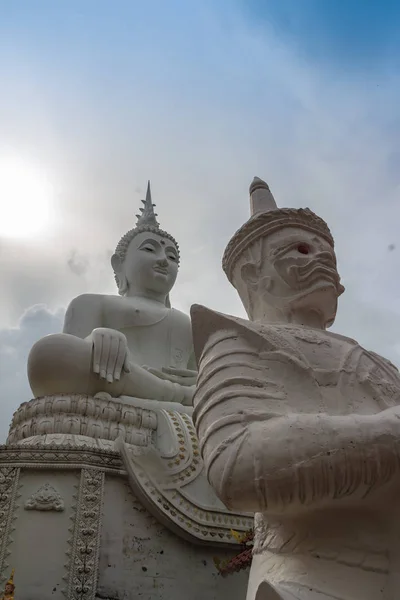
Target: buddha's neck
[147, 296]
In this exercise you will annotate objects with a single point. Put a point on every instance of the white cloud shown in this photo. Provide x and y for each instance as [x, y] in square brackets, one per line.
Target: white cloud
[15, 344]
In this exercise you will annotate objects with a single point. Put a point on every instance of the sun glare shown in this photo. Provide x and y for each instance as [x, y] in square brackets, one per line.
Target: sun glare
[26, 198]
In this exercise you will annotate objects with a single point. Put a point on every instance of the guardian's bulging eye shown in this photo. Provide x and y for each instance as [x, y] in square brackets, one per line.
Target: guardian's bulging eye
[303, 248]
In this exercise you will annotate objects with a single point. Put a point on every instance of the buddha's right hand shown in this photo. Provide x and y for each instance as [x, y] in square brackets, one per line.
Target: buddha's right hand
[110, 353]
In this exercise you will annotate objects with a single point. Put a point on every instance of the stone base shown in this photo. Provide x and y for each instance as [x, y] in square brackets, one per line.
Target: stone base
[72, 529]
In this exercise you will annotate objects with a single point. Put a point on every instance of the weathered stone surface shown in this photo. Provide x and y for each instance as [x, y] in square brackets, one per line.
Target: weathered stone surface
[140, 558]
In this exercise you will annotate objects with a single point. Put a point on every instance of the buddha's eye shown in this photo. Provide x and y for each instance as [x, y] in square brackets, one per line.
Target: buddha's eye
[303, 248]
[148, 248]
[172, 257]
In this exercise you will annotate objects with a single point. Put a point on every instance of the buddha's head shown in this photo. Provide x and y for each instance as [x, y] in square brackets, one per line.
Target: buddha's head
[146, 259]
[282, 262]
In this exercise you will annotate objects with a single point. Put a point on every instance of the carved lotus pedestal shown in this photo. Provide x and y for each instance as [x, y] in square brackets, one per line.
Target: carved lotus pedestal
[105, 498]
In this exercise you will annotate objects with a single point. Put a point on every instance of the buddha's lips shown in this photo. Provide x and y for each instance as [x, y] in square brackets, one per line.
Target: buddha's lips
[161, 270]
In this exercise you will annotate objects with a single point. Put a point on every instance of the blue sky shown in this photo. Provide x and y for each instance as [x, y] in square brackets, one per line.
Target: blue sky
[346, 34]
[199, 97]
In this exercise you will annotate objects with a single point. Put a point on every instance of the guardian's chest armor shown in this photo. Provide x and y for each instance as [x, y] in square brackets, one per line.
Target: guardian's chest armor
[348, 378]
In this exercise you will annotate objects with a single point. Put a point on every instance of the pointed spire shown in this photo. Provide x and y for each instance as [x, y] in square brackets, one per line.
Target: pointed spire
[148, 216]
[11, 580]
[261, 199]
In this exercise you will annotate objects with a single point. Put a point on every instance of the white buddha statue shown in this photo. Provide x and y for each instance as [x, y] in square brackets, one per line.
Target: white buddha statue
[298, 424]
[132, 345]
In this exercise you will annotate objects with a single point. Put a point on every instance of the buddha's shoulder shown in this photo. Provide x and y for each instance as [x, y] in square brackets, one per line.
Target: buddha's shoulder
[104, 300]
[88, 301]
[181, 317]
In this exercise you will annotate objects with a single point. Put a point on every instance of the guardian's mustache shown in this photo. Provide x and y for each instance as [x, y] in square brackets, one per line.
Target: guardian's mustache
[304, 271]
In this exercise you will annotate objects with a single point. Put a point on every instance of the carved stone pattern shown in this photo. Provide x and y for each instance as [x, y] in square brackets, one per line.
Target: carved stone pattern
[9, 477]
[70, 440]
[213, 526]
[171, 493]
[45, 498]
[60, 457]
[83, 415]
[85, 545]
[186, 465]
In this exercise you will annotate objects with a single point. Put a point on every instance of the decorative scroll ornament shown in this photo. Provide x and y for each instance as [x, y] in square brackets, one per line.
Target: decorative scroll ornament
[9, 477]
[85, 544]
[45, 498]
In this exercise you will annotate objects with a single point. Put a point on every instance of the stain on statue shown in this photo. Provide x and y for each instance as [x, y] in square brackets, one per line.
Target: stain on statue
[298, 424]
[133, 344]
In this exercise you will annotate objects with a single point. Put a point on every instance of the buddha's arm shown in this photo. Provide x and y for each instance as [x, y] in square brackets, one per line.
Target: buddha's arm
[83, 315]
[84, 319]
[259, 456]
[142, 383]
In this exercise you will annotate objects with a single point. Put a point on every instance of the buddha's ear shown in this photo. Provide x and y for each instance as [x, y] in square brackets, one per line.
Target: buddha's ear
[116, 263]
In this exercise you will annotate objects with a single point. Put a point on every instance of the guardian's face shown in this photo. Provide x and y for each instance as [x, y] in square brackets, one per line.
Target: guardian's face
[151, 263]
[296, 269]
[303, 262]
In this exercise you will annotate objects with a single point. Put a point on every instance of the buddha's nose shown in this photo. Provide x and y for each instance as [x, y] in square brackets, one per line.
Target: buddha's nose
[162, 262]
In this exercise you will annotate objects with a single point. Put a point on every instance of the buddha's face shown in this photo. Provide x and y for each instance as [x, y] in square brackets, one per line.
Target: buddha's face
[9, 589]
[295, 270]
[151, 264]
